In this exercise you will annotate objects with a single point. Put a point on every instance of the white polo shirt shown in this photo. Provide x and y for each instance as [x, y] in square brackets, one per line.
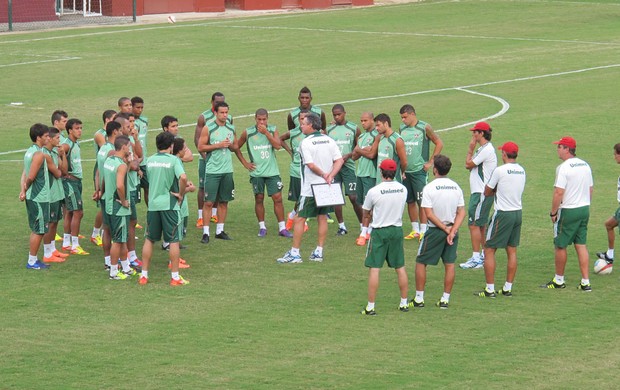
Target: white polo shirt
[486, 162]
[509, 181]
[575, 177]
[443, 195]
[387, 202]
[320, 150]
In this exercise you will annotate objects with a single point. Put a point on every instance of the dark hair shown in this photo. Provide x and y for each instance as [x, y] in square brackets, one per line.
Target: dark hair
[407, 108]
[338, 107]
[58, 115]
[385, 118]
[164, 140]
[167, 120]
[123, 99]
[216, 95]
[120, 141]
[111, 127]
[617, 148]
[178, 145]
[71, 122]
[388, 174]
[305, 90]
[314, 120]
[220, 104]
[136, 99]
[261, 111]
[512, 155]
[486, 134]
[442, 164]
[123, 115]
[108, 114]
[38, 130]
[53, 131]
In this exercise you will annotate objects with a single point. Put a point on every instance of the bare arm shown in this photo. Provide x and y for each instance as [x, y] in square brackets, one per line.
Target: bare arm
[200, 124]
[438, 146]
[558, 195]
[402, 155]
[289, 122]
[469, 164]
[121, 173]
[240, 142]
[284, 144]
[460, 217]
[488, 191]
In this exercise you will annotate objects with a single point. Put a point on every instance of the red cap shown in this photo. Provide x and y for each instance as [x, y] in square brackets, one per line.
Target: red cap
[509, 147]
[481, 126]
[388, 165]
[568, 142]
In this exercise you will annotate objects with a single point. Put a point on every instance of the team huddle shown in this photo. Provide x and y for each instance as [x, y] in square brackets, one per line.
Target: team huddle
[380, 170]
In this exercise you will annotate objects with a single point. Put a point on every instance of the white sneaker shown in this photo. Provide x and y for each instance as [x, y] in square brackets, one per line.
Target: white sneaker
[316, 257]
[472, 263]
[289, 258]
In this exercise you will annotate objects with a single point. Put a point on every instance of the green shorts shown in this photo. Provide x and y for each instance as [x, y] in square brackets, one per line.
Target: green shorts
[167, 223]
[119, 228]
[202, 167]
[105, 216]
[307, 208]
[219, 187]
[55, 211]
[294, 189]
[434, 246]
[347, 177]
[362, 187]
[185, 222]
[73, 194]
[38, 216]
[144, 180]
[274, 185]
[616, 216]
[504, 229]
[133, 200]
[479, 210]
[386, 244]
[414, 183]
[571, 227]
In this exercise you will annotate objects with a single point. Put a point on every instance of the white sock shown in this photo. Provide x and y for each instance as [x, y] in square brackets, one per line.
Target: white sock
[610, 253]
[403, 302]
[214, 211]
[261, 225]
[281, 226]
[219, 228]
[95, 232]
[175, 275]
[369, 229]
[48, 249]
[113, 270]
[475, 255]
[75, 242]
[490, 287]
[319, 250]
[370, 306]
[559, 279]
[66, 239]
[144, 274]
[200, 214]
[205, 229]
[585, 282]
[295, 251]
[364, 231]
[419, 296]
[415, 227]
[131, 255]
[125, 265]
[507, 286]
[341, 226]
[292, 214]
[423, 227]
[32, 259]
[107, 260]
[445, 297]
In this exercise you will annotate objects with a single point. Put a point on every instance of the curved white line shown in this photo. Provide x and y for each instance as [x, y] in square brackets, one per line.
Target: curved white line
[504, 103]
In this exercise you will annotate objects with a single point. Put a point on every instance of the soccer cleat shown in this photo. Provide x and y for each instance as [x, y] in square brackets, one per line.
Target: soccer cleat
[182, 264]
[165, 247]
[81, 236]
[261, 232]
[199, 223]
[106, 267]
[442, 304]
[412, 235]
[289, 223]
[316, 257]
[485, 294]
[404, 308]
[222, 236]
[96, 240]
[67, 248]
[585, 287]
[179, 282]
[603, 256]
[142, 281]
[79, 251]
[53, 259]
[58, 238]
[414, 303]
[214, 218]
[341, 232]
[131, 272]
[369, 312]
[506, 293]
[306, 227]
[289, 258]
[135, 263]
[367, 236]
[472, 263]
[138, 226]
[421, 236]
[58, 253]
[37, 265]
[119, 276]
[553, 284]
[205, 239]
[361, 241]
[330, 219]
[285, 233]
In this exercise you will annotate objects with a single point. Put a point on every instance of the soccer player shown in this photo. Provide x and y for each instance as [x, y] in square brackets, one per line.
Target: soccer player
[203, 119]
[443, 203]
[262, 141]
[507, 183]
[171, 125]
[613, 221]
[118, 205]
[72, 184]
[366, 168]
[386, 202]
[55, 167]
[480, 164]
[570, 212]
[388, 145]
[166, 175]
[305, 100]
[345, 133]
[321, 161]
[59, 121]
[218, 140]
[35, 191]
[179, 149]
[142, 124]
[417, 136]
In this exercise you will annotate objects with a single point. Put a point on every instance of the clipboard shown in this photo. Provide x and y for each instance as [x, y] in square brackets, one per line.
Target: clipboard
[328, 195]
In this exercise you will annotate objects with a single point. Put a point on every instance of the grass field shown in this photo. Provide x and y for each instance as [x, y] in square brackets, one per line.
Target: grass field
[537, 70]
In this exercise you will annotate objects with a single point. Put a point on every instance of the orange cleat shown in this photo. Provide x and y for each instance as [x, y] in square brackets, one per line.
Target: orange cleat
[214, 218]
[179, 282]
[182, 264]
[199, 223]
[142, 281]
[58, 253]
[53, 259]
[361, 241]
[289, 223]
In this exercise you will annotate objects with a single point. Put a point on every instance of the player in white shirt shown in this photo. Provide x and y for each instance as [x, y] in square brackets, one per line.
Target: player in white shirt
[386, 202]
[570, 212]
[480, 164]
[443, 203]
[612, 222]
[507, 183]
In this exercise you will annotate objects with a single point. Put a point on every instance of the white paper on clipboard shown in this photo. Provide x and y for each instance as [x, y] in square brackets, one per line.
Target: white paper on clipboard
[328, 195]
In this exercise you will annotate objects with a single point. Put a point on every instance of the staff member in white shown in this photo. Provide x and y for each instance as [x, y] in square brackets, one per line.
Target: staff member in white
[320, 162]
[507, 183]
[570, 212]
[443, 203]
[386, 201]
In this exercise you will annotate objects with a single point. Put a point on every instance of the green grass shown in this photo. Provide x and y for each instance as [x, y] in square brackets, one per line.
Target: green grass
[246, 322]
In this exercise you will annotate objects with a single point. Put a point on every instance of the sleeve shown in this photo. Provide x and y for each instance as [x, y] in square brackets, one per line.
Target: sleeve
[461, 202]
[494, 179]
[368, 202]
[483, 154]
[426, 198]
[336, 154]
[560, 177]
[178, 167]
[306, 156]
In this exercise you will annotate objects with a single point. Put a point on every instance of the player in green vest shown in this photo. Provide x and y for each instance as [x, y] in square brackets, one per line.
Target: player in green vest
[388, 145]
[204, 118]
[142, 124]
[345, 134]
[218, 140]
[305, 98]
[417, 136]
[179, 149]
[35, 191]
[59, 121]
[262, 141]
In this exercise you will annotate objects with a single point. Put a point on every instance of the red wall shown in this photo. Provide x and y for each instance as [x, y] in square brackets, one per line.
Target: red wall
[28, 11]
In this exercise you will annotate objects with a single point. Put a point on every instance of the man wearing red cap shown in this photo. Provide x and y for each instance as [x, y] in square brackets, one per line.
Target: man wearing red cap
[612, 222]
[507, 183]
[386, 202]
[570, 212]
[480, 164]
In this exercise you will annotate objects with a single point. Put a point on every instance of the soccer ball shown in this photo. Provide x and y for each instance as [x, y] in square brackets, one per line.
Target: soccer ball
[602, 267]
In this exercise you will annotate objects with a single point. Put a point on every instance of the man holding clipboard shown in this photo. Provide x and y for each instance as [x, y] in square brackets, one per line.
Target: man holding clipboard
[320, 162]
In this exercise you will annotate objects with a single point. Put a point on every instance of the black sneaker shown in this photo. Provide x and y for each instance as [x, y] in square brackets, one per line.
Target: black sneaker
[205, 239]
[585, 287]
[106, 267]
[341, 232]
[442, 304]
[506, 293]
[165, 247]
[485, 294]
[553, 284]
[603, 256]
[404, 309]
[223, 236]
[413, 303]
[369, 312]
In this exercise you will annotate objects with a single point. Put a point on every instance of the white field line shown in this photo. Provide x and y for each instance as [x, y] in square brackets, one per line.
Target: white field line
[465, 88]
[41, 61]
